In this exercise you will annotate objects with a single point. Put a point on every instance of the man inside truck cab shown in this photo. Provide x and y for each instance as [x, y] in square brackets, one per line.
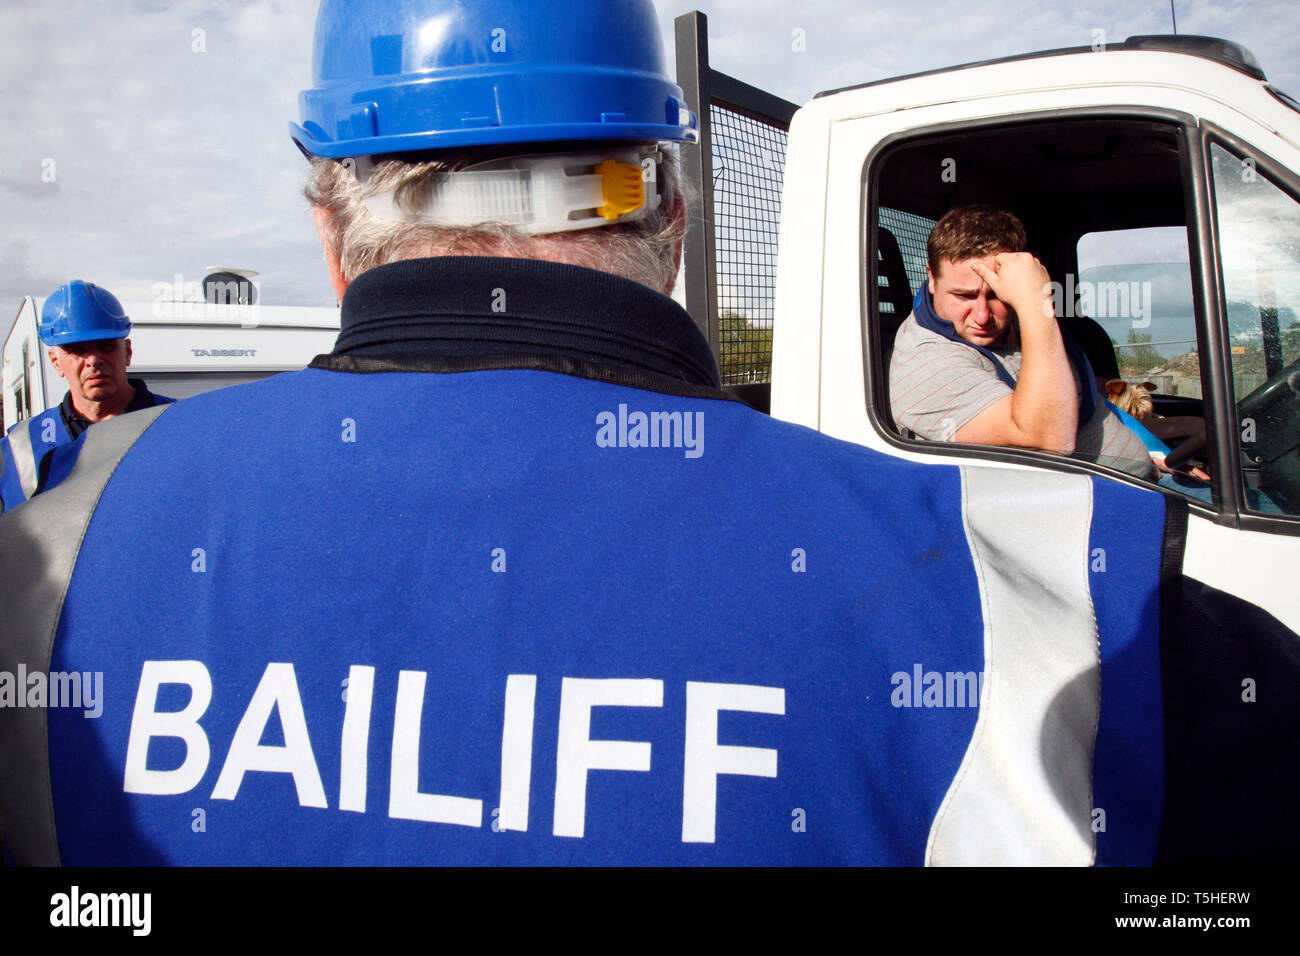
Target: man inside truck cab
[982, 360]
[86, 331]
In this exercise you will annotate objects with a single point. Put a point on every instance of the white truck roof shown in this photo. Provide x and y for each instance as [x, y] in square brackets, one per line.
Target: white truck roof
[1079, 75]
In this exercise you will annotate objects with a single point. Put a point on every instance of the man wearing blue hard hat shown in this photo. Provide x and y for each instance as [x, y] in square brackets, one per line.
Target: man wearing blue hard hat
[507, 577]
[85, 329]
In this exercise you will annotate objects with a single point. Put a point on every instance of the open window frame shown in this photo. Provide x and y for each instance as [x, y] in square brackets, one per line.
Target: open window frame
[1218, 402]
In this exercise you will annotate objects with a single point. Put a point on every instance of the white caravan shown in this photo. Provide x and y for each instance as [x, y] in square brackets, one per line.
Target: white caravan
[180, 348]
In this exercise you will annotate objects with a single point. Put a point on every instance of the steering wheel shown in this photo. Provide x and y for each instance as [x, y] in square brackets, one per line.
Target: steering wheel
[1284, 384]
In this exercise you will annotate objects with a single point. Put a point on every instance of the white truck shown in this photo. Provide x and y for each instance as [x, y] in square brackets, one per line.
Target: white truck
[184, 341]
[1159, 181]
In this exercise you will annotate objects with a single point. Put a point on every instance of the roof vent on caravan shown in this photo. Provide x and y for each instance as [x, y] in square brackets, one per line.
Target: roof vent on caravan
[223, 286]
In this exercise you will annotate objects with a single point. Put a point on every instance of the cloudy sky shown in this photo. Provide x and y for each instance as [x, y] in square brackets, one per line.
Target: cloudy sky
[147, 138]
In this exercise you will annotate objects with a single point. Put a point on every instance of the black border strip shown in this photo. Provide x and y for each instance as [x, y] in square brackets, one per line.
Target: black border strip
[1173, 672]
[517, 361]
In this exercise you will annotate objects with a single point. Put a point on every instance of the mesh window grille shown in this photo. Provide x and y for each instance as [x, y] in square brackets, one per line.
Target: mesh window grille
[911, 233]
[748, 167]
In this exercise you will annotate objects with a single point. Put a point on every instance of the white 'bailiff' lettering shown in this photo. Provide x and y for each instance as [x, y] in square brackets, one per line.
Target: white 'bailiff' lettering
[405, 801]
[576, 754]
[354, 750]
[147, 722]
[517, 751]
[278, 690]
[706, 758]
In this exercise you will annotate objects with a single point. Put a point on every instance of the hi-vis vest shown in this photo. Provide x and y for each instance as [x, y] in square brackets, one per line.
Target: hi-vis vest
[23, 453]
[522, 617]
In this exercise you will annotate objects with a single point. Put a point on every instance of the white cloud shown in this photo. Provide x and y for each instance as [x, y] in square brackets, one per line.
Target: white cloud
[850, 42]
[170, 160]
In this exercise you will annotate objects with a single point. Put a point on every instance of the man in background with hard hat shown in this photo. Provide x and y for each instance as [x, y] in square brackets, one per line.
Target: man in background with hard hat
[86, 331]
[508, 578]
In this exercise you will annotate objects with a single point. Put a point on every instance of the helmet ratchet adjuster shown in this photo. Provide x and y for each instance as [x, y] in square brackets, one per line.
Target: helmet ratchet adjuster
[535, 194]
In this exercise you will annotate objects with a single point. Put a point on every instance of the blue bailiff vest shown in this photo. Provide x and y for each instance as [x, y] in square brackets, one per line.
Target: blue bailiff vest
[415, 607]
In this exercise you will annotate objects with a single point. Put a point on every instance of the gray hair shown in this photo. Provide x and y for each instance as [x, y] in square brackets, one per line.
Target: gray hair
[645, 251]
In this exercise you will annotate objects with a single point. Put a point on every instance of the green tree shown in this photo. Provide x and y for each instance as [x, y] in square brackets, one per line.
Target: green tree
[746, 349]
[1140, 353]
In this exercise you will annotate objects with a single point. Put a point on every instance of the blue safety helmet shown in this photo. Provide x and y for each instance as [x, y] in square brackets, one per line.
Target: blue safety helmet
[82, 312]
[403, 75]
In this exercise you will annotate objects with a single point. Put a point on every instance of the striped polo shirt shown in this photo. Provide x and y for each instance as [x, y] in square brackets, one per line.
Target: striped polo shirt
[936, 386]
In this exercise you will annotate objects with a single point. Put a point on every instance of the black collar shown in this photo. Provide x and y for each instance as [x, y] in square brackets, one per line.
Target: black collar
[76, 424]
[466, 313]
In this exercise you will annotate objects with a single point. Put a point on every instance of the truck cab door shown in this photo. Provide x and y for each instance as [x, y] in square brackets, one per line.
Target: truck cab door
[1250, 236]
[1244, 538]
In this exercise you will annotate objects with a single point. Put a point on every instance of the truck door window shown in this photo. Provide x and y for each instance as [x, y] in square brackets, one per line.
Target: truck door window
[1123, 291]
[1259, 243]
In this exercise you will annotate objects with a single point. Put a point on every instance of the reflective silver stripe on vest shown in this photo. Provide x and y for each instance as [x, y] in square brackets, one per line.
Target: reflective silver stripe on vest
[20, 446]
[1023, 794]
[39, 543]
